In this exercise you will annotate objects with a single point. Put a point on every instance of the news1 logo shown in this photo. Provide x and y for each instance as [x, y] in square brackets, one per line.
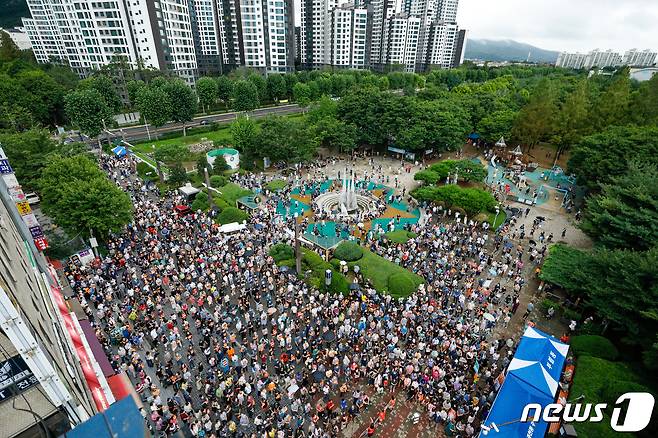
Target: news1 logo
[637, 414]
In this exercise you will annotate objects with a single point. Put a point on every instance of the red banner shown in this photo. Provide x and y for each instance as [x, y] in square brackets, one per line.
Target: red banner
[85, 362]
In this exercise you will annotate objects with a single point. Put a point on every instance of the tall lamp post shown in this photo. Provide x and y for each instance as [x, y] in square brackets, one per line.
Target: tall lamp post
[496, 217]
[298, 253]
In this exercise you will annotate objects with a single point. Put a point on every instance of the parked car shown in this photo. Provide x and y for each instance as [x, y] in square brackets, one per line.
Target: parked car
[32, 198]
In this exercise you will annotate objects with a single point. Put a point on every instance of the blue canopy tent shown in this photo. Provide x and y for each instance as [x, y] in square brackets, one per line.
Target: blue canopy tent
[474, 136]
[119, 151]
[121, 420]
[538, 360]
[507, 410]
[532, 377]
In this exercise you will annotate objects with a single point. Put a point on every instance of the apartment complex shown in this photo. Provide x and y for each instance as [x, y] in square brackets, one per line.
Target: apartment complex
[413, 35]
[607, 58]
[636, 58]
[45, 371]
[188, 37]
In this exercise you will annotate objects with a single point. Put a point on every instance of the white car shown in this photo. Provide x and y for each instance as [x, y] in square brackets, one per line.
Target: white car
[32, 198]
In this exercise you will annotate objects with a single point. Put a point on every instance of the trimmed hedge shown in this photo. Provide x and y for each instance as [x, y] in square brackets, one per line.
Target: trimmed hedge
[593, 345]
[230, 215]
[470, 200]
[348, 251]
[400, 285]
[281, 251]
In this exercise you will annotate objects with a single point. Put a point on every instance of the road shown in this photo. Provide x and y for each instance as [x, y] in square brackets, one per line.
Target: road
[136, 133]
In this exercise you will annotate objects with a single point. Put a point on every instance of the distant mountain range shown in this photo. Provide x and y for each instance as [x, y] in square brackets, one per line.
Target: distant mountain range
[506, 50]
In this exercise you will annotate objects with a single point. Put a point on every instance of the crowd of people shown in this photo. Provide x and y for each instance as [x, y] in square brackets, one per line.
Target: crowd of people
[219, 341]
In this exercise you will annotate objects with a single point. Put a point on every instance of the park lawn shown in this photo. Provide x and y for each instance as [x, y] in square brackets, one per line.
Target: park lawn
[499, 221]
[221, 135]
[276, 185]
[591, 377]
[399, 236]
[231, 192]
[377, 269]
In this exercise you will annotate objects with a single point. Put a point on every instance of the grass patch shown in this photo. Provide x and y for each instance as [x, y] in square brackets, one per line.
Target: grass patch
[275, 185]
[378, 270]
[312, 262]
[399, 236]
[502, 216]
[231, 192]
[222, 134]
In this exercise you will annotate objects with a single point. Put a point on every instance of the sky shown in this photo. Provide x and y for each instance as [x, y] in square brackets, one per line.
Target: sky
[564, 25]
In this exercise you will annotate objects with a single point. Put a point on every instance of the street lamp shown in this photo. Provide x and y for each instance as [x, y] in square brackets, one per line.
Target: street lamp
[298, 255]
[496, 217]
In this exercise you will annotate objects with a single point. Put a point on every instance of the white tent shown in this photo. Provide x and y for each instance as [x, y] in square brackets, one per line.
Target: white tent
[232, 227]
[501, 143]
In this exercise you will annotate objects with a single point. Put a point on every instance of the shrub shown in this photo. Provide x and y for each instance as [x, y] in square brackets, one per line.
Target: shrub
[572, 315]
[400, 285]
[348, 251]
[231, 214]
[281, 251]
[218, 181]
[593, 345]
[339, 283]
[468, 170]
[547, 304]
[614, 388]
[221, 203]
[470, 200]
[200, 202]
[427, 176]
[481, 217]
[335, 263]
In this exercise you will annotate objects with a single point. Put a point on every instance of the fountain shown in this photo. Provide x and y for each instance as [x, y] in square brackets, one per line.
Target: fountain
[346, 202]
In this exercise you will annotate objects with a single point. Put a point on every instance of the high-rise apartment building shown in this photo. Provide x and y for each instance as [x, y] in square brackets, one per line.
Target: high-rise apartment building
[188, 37]
[636, 58]
[571, 60]
[348, 36]
[608, 58]
[47, 380]
[410, 34]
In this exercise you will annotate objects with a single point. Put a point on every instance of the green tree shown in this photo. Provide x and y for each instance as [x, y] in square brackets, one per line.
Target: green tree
[42, 95]
[301, 93]
[625, 214]
[619, 285]
[106, 88]
[245, 96]
[80, 198]
[535, 120]
[154, 105]
[276, 87]
[496, 125]
[177, 175]
[284, 139]
[206, 88]
[133, 88]
[613, 105]
[30, 151]
[88, 111]
[9, 51]
[183, 102]
[261, 86]
[571, 121]
[645, 102]
[224, 89]
[598, 158]
[245, 132]
[333, 133]
[201, 165]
